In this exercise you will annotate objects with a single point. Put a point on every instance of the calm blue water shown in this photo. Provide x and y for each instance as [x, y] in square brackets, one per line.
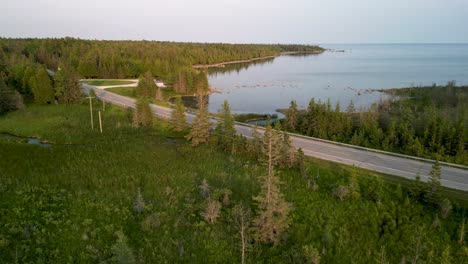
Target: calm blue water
[340, 77]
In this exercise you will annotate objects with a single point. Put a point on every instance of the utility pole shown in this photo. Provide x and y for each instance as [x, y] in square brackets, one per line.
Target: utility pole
[91, 111]
[100, 123]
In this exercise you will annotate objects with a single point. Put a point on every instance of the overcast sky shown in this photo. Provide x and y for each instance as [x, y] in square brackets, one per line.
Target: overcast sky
[240, 21]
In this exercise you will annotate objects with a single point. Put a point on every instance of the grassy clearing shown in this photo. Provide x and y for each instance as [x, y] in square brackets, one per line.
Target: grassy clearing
[66, 203]
[108, 82]
[130, 92]
[125, 91]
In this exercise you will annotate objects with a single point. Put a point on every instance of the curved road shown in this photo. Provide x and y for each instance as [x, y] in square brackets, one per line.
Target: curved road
[453, 176]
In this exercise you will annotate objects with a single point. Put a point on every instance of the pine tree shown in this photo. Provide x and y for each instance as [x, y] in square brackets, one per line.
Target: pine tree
[271, 220]
[418, 243]
[9, 99]
[143, 115]
[351, 109]
[121, 252]
[201, 84]
[59, 84]
[445, 207]
[225, 132]
[287, 151]
[205, 189]
[67, 87]
[42, 87]
[300, 161]
[417, 187]
[26, 88]
[271, 148]
[139, 203]
[200, 132]
[292, 116]
[383, 256]
[180, 86]
[146, 86]
[178, 118]
[254, 145]
[446, 258]
[434, 184]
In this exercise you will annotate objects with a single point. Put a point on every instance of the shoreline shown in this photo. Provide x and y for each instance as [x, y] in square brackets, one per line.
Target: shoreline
[223, 64]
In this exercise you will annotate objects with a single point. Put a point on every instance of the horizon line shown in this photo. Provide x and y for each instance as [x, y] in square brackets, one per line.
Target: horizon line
[258, 43]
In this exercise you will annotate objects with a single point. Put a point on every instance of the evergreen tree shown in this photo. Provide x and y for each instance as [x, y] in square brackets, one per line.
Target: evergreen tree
[139, 203]
[445, 207]
[271, 220]
[178, 118]
[200, 132]
[446, 258]
[180, 85]
[434, 184]
[143, 115]
[146, 86]
[254, 145]
[67, 86]
[121, 252]
[271, 147]
[9, 98]
[351, 109]
[201, 84]
[292, 117]
[26, 88]
[301, 163]
[42, 87]
[460, 143]
[225, 132]
[417, 188]
[383, 256]
[287, 151]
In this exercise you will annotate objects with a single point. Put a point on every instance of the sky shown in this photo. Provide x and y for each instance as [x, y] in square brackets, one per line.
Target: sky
[240, 21]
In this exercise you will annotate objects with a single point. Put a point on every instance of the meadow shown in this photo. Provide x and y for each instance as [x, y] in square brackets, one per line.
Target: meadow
[94, 197]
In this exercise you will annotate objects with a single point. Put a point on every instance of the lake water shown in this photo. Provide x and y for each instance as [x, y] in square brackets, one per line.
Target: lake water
[338, 76]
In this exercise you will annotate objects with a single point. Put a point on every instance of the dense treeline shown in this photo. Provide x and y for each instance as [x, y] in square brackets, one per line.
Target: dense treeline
[429, 122]
[169, 61]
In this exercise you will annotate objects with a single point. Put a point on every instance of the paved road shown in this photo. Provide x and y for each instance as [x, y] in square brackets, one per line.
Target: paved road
[452, 177]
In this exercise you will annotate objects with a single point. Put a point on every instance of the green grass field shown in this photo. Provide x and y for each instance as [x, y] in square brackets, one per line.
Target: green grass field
[129, 92]
[66, 203]
[125, 91]
[107, 82]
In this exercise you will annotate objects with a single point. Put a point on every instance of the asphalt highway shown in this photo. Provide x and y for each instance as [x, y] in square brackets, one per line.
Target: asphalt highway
[453, 176]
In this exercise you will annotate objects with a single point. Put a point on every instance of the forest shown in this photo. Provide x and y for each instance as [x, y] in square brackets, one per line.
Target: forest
[429, 122]
[21, 59]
